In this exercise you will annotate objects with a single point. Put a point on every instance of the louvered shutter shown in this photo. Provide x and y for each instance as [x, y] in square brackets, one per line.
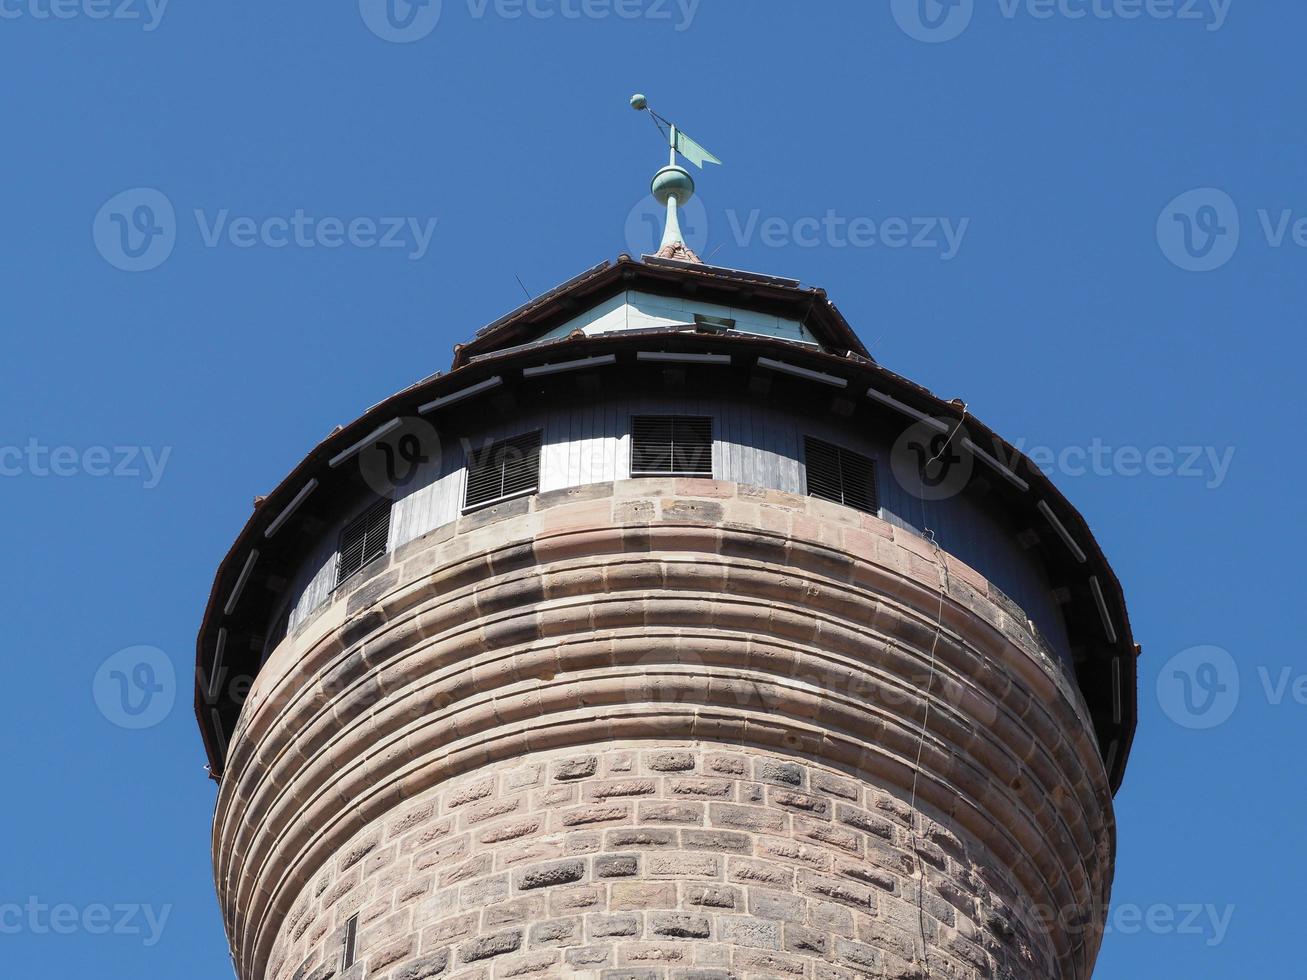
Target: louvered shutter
[841, 476]
[671, 444]
[363, 540]
[503, 470]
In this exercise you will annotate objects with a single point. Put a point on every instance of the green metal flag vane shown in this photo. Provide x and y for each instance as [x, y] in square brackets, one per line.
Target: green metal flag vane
[673, 186]
[678, 141]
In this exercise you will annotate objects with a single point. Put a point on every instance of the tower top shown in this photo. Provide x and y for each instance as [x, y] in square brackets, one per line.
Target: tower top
[673, 185]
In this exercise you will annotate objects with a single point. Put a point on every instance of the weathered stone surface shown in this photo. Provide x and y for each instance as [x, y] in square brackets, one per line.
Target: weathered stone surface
[561, 873]
[668, 748]
[616, 866]
[678, 925]
[428, 966]
[484, 947]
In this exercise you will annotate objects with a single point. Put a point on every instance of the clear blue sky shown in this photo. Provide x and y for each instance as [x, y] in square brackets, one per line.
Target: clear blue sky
[1066, 316]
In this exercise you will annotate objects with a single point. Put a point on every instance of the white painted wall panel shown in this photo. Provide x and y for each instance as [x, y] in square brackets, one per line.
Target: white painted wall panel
[644, 311]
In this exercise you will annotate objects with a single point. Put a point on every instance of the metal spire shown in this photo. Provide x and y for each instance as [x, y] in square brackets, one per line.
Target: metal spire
[673, 186]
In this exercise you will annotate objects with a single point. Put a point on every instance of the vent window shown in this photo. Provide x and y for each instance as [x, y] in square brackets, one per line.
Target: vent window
[841, 476]
[350, 952]
[363, 540]
[505, 469]
[713, 324]
[676, 445]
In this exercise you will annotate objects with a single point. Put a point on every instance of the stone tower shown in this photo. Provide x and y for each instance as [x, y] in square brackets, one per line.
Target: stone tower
[666, 636]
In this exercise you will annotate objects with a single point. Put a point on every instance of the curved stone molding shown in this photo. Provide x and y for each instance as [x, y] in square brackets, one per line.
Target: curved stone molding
[392, 754]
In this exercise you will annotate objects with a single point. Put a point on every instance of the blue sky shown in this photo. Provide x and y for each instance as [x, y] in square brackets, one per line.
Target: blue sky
[1078, 216]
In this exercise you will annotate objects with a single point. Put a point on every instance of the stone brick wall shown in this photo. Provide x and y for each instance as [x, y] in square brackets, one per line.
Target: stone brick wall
[665, 729]
[669, 860]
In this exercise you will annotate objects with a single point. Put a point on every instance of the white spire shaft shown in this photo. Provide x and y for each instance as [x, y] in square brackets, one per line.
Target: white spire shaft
[672, 235]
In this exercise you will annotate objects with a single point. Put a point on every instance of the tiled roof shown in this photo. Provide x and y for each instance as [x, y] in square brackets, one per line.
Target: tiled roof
[681, 251]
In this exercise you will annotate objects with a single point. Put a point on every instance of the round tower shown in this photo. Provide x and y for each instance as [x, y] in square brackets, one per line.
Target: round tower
[666, 636]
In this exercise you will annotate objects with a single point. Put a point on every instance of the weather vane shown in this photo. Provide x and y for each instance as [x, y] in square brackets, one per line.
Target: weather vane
[673, 186]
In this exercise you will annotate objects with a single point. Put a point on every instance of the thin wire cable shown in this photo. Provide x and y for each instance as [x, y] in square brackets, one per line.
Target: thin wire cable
[659, 125]
[925, 717]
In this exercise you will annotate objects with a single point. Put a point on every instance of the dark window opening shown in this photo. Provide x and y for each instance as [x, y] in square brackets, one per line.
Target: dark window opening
[363, 540]
[713, 324]
[350, 952]
[841, 476]
[505, 469]
[671, 445]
